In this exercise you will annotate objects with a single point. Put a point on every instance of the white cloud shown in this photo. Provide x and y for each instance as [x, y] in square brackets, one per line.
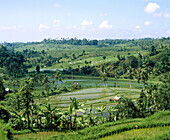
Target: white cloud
[138, 28]
[42, 27]
[12, 27]
[147, 23]
[166, 15]
[162, 14]
[56, 21]
[56, 5]
[104, 24]
[86, 23]
[151, 7]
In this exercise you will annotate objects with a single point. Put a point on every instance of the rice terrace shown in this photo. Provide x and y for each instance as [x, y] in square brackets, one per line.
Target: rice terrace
[55, 86]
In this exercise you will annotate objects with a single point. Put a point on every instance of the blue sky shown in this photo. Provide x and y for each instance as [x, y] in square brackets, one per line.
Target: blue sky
[34, 20]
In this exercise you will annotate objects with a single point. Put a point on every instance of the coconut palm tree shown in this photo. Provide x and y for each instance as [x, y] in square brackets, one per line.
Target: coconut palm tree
[103, 75]
[130, 74]
[27, 97]
[57, 78]
[138, 71]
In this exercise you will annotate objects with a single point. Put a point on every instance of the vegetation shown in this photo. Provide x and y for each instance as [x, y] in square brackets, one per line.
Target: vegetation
[40, 86]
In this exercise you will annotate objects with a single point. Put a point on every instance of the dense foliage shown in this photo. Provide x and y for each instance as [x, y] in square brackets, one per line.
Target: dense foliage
[12, 63]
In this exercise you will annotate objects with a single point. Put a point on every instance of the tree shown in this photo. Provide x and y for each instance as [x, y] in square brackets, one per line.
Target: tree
[126, 108]
[38, 68]
[142, 104]
[2, 90]
[138, 71]
[132, 61]
[153, 51]
[103, 75]
[57, 79]
[130, 74]
[104, 57]
[144, 77]
[116, 75]
[74, 57]
[139, 60]
[27, 98]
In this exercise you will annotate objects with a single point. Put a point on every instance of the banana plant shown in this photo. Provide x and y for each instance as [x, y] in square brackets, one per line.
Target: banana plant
[49, 114]
[17, 120]
[91, 118]
[101, 110]
[70, 112]
[76, 107]
[110, 111]
[110, 114]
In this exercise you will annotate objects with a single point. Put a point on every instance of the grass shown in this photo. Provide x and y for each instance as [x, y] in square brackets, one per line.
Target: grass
[145, 133]
[38, 135]
[158, 128]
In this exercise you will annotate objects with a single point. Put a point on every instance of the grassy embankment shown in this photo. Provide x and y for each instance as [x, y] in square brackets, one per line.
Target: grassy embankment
[156, 126]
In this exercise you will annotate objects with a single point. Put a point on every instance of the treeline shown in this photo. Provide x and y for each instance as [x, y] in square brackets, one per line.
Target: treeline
[101, 43]
[104, 42]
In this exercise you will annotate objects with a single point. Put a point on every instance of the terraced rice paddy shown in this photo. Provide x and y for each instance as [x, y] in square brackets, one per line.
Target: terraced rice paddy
[145, 133]
[95, 96]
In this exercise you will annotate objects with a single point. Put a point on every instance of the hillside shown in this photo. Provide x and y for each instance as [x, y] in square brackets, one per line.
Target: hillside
[153, 127]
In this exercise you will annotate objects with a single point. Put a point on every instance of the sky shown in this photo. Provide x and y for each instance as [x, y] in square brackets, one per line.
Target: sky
[34, 20]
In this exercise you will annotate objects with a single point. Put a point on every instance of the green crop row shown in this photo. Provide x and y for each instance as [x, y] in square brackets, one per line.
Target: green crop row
[116, 128]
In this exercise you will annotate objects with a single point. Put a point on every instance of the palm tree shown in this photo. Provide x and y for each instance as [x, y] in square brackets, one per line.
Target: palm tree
[45, 82]
[103, 75]
[27, 97]
[116, 75]
[144, 76]
[57, 78]
[142, 103]
[139, 74]
[130, 74]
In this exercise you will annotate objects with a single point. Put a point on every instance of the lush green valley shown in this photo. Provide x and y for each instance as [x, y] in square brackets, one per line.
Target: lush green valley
[66, 89]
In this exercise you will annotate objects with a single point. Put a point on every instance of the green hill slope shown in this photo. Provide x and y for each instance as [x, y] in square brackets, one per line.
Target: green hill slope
[156, 126]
